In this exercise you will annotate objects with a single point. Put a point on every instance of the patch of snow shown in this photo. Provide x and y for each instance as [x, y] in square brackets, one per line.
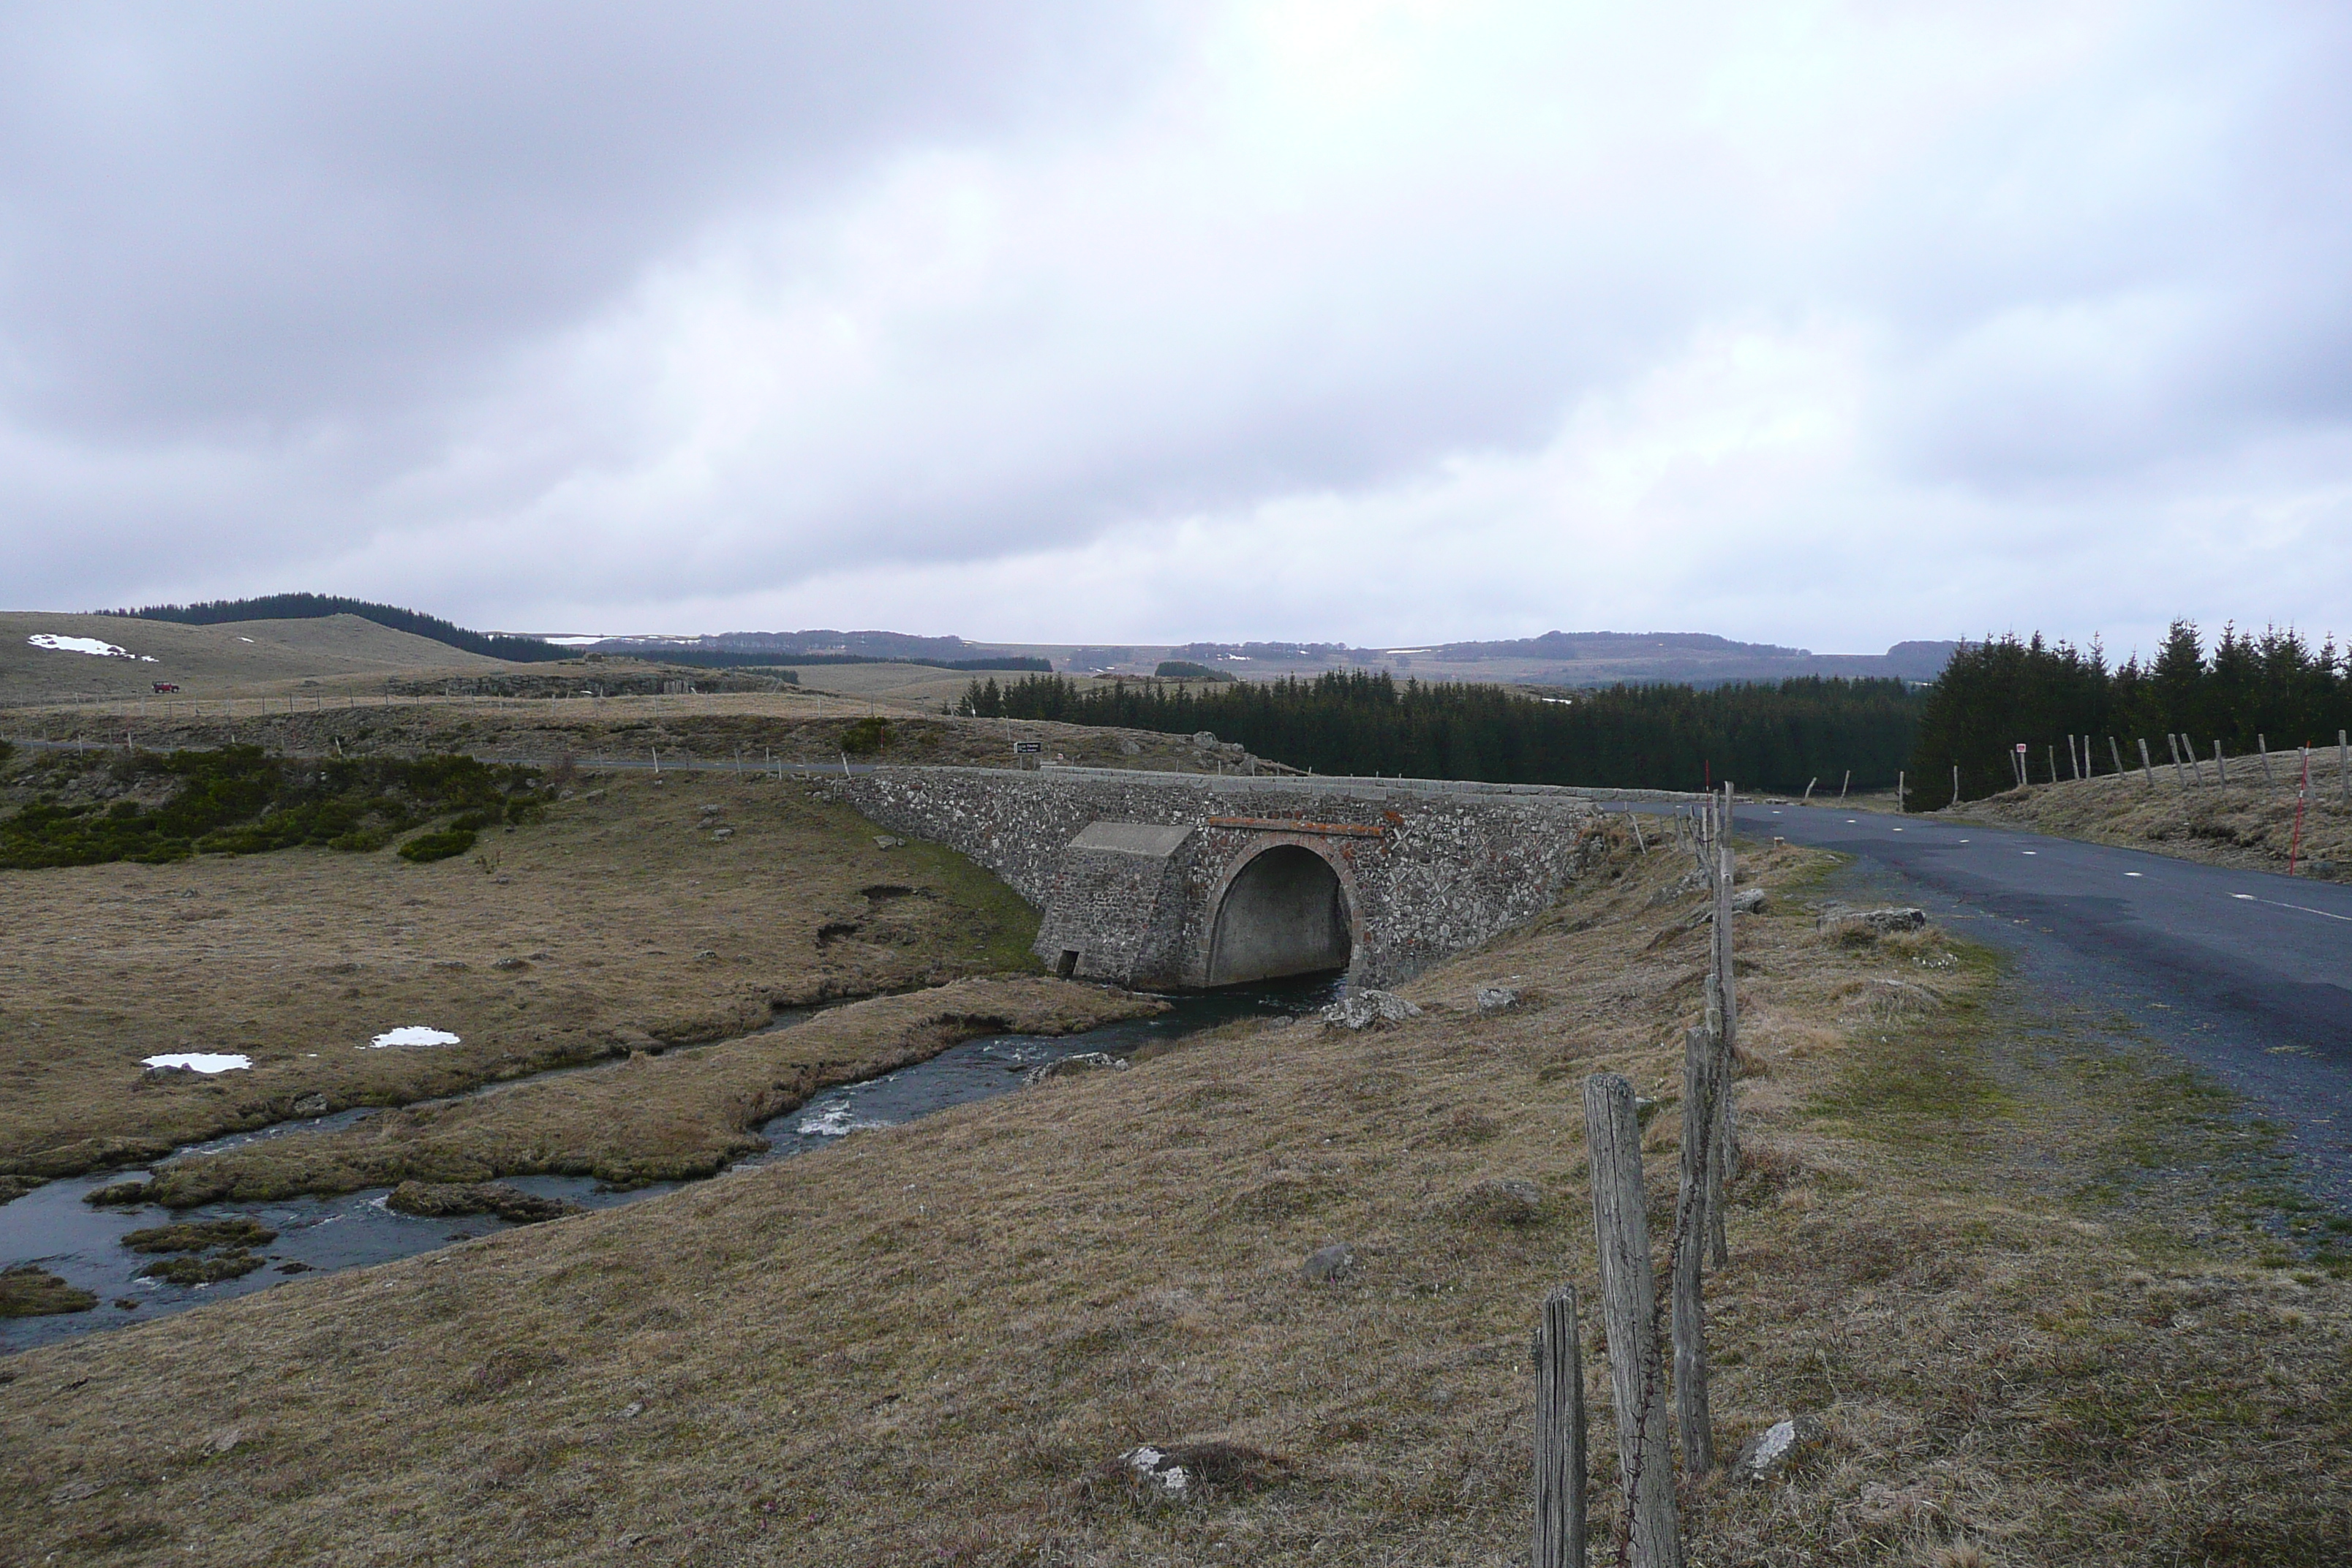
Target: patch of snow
[85, 645]
[834, 1121]
[575, 642]
[199, 1061]
[414, 1035]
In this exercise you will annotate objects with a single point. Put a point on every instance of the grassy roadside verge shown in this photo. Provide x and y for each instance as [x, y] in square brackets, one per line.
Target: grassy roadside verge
[926, 1343]
[2247, 825]
[637, 915]
[664, 1118]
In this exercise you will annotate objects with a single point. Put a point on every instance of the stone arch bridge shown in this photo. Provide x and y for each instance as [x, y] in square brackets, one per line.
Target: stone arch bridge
[1170, 881]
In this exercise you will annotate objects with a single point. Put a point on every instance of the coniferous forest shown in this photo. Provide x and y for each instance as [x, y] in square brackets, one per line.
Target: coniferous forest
[1766, 736]
[2244, 692]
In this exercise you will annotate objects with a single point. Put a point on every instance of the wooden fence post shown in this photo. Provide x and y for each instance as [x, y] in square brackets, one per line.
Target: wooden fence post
[1722, 1024]
[2116, 751]
[2343, 771]
[1559, 1434]
[2262, 745]
[1898, 792]
[1694, 1423]
[1628, 1306]
[2147, 768]
[2221, 761]
[1842, 785]
[1956, 783]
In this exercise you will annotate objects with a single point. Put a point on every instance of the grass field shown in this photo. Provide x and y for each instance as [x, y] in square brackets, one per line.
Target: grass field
[1957, 1240]
[638, 914]
[245, 657]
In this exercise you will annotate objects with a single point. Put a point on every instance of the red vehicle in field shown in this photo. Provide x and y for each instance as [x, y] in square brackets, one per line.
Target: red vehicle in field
[164, 686]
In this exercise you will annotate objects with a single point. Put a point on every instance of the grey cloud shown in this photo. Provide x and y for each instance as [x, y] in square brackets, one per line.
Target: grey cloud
[243, 220]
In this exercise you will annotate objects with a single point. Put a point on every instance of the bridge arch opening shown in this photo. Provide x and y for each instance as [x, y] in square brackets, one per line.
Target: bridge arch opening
[1283, 914]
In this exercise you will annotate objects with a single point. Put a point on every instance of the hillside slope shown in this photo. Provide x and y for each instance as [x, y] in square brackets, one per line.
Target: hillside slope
[242, 658]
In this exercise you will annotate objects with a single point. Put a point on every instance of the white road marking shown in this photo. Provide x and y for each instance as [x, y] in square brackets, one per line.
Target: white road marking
[2299, 908]
[2135, 873]
[2029, 852]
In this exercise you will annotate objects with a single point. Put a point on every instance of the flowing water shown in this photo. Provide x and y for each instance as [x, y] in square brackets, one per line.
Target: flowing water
[52, 1226]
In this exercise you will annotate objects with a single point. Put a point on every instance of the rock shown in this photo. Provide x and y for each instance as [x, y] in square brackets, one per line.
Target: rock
[1205, 738]
[224, 1439]
[1497, 998]
[1181, 1472]
[1073, 1066]
[723, 833]
[310, 1104]
[885, 841]
[1501, 1200]
[511, 965]
[1368, 1010]
[1683, 886]
[1748, 901]
[1772, 1452]
[445, 1200]
[1880, 921]
[1329, 1263]
[1131, 748]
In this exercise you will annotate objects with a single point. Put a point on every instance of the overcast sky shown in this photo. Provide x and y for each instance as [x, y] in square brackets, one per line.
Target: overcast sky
[1817, 324]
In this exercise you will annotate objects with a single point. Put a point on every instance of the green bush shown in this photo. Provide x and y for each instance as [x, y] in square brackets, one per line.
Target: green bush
[1185, 669]
[867, 736]
[437, 846]
[238, 801]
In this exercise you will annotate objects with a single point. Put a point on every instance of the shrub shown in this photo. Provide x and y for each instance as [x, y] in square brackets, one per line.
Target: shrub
[438, 845]
[867, 736]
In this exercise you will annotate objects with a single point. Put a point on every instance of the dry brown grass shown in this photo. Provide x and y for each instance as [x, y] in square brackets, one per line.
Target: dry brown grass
[923, 1345]
[2249, 824]
[622, 923]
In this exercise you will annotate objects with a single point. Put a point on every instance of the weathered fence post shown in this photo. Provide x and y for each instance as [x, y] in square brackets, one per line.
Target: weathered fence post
[1898, 793]
[1808, 791]
[1723, 1025]
[2221, 762]
[1629, 1305]
[2147, 768]
[1956, 783]
[1842, 785]
[1694, 1423]
[2343, 771]
[1559, 1434]
[2262, 745]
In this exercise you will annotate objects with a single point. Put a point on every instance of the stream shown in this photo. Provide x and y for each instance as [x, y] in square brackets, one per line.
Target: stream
[52, 1228]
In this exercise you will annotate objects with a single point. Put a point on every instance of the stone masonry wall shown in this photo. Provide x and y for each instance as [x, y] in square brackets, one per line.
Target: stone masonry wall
[1451, 867]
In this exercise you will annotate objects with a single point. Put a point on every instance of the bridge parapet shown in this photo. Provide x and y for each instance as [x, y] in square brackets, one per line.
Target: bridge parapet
[1173, 880]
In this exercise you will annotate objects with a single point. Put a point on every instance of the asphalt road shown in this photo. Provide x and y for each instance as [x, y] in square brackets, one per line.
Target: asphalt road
[2243, 973]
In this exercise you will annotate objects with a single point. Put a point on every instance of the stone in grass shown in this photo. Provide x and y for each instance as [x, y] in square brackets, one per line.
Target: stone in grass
[1501, 1200]
[29, 1292]
[885, 841]
[445, 1200]
[1369, 1010]
[1878, 922]
[1497, 998]
[1774, 1451]
[1325, 1263]
[1076, 1064]
[1187, 1472]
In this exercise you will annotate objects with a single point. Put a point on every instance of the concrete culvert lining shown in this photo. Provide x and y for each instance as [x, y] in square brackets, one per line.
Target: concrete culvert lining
[1284, 913]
